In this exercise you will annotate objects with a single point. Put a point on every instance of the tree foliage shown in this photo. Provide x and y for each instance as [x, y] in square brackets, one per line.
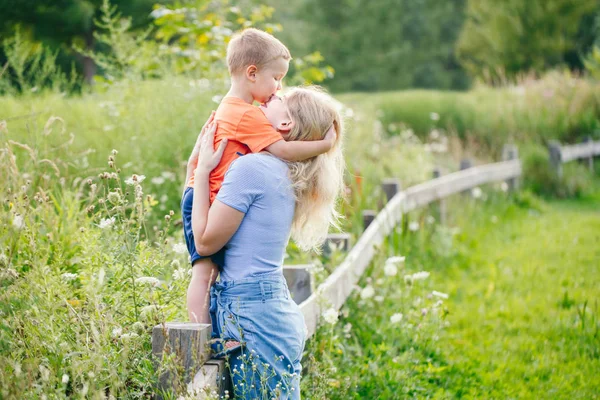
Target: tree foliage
[500, 40]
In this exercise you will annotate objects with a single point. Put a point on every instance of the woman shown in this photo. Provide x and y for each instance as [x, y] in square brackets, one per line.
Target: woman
[263, 199]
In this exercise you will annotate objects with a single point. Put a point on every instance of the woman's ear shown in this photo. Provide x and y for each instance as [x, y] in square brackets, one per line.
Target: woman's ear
[251, 72]
[285, 126]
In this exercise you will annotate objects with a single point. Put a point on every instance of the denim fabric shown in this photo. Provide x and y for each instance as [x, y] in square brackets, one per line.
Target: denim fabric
[259, 312]
[187, 201]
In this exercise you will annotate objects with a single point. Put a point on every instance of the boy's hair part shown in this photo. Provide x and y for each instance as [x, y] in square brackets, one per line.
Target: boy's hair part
[254, 47]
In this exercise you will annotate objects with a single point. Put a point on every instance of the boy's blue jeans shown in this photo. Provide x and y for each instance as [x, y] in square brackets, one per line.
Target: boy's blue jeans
[260, 313]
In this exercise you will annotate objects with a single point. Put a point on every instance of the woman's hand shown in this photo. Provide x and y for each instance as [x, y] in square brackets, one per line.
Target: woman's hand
[193, 159]
[208, 158]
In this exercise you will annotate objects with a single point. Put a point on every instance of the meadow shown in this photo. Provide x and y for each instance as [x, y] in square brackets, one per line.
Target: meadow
[92, 255]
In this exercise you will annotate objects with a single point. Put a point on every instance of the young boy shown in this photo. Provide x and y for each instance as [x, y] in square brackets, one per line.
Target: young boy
[257, 63]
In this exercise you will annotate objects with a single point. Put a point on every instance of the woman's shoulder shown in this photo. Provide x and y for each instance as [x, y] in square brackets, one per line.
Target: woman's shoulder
[260, 162]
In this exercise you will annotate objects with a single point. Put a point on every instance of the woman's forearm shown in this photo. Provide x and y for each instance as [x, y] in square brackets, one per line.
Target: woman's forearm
[200, 207]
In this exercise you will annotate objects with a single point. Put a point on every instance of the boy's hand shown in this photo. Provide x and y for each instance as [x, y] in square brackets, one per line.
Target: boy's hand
[331, 137]
[193, 160]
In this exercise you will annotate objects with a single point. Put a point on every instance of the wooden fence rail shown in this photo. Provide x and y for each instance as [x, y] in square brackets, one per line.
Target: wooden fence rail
[334, 291]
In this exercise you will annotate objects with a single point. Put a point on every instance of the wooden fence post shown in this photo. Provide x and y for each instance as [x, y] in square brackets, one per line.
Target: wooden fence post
[555, 158]
[368, 217]
[188, 342]
[437, 173]
[339, 241]
[390, 187]
[465, 163]
[511, 152]
[299, 281]
[590, 160]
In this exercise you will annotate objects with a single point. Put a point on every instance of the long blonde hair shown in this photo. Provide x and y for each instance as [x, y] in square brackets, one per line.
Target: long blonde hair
[318, 181]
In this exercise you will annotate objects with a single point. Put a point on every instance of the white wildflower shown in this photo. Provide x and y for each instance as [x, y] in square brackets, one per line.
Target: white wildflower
[147, 280]
[18, 221]
[160, 12]
[68, 276]
[106, 223]
[128, 336]
[114, 197]
[394, 319]
[65, 379]
[430, 220]
[45, 373]
[504, 187]
[179, 274]
[148, 311]
[439, 294]
[135, 179]
[169, 175]
[347, 327]
[434, 116]
[216, 98]
[476, 192]
[413, 226]
[179, 248]
[117, 332]
[367, 292]
[378, 299]
[158, 180]
[330, 316]
[419, 276]
[395, 260]
[390, 269]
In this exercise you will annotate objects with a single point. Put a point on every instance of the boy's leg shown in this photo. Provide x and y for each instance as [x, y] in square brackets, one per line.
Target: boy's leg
[204, 274]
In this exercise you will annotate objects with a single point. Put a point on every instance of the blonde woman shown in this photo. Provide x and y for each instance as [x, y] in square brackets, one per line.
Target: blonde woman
[262, 201]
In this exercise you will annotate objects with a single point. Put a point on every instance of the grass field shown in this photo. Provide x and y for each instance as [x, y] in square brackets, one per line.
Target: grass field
[523, 314]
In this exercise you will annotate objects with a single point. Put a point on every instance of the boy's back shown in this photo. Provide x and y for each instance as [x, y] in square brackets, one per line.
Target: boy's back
[248, 131]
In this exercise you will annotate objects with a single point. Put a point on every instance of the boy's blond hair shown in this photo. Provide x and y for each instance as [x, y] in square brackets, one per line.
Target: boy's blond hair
[254, 47]
[319, 181]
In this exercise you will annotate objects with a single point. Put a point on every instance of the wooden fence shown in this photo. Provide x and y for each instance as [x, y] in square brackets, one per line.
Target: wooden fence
[187, 341]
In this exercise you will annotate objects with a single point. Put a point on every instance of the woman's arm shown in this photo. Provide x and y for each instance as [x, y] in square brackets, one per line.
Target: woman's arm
[212, 226]
[193, 159]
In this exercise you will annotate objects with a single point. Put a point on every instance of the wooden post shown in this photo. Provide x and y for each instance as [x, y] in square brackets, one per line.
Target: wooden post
[390, 187]
[340, 241]
[437, 173]
[590, 160]
[188, 342]
[368, 217]
[555, 157]
[465, 163]
[510, 152]
[299, 281]
[215, 375]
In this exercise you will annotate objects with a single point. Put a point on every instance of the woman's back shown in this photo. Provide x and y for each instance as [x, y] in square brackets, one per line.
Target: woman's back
[257, 185]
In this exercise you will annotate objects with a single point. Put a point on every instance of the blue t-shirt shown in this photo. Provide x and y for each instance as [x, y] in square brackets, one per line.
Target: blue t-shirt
[259, 186]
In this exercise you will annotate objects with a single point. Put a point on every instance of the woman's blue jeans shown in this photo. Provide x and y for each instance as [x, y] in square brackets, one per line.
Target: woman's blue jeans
[260, 313]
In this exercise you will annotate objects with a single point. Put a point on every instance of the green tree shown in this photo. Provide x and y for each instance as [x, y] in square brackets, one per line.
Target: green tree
[60, 24]
[500, 40]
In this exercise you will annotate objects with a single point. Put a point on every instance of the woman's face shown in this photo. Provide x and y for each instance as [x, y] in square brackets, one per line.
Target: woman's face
[276, 112]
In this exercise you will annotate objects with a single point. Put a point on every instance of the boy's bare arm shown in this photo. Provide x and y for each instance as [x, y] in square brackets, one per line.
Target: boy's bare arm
[302, 150]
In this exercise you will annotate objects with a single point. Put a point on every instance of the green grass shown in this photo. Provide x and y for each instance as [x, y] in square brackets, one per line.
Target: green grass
[523, 311]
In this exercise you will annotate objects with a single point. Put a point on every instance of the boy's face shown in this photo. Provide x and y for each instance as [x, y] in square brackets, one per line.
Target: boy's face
[268, 79]
[277, 113]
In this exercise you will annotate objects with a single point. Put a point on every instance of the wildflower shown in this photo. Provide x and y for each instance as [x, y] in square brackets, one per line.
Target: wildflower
[390, 269]
[413, 226]
[179, 274]
[419, 276]
[476, 192]
[148, 311]
[378, 299]
[367, 292]
[160, 12]
[430, 220]
[114, 197]
[439, 294]
[330, 316]
[394, 319]
[106, 223]
[117, 332]
[347, 327]
[128, 336]
[423, 311]
[45, 373]
[395, 260]
[18, 221]
[68, 276]
[147, 280]
[217, 98]
[158, 180]
[179, 248]
[65, 379]
[3, 260]
[434, 116]
[135, 179]
[169, 175]
[504, 187]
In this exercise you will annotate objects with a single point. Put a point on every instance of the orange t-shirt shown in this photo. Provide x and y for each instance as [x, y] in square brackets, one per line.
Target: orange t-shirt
[248, 131]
